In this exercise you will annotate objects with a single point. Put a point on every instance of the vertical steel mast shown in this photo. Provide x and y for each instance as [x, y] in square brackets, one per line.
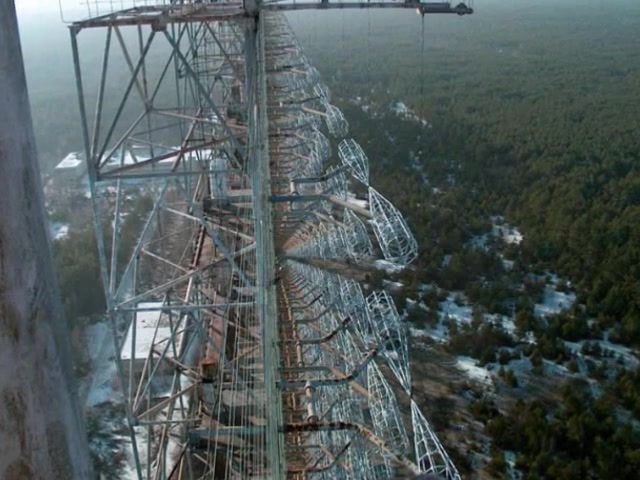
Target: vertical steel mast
[240, 354]
[42, 434]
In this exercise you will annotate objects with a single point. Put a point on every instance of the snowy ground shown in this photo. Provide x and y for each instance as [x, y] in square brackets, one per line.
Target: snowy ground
[554, 301]
[367, 107]
[508, 233]
[557, 296]
[403, 111]
[502, 230]
[388, 267]
[461, 313]
[520, 366]
[620, 351]
[469, 366]
[392, 286]
[502, 320]
[103, 377]
[58, 230]
[439, 333]
[512, 473]
[103, 387]
[129, 470]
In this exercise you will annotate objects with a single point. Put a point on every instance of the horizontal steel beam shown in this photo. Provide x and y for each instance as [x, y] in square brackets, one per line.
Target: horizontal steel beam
[159, 17]
[424, 8]
[206, 434]
[187, 308]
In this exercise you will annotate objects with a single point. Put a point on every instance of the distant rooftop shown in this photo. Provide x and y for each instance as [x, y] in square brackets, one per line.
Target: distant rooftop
[146, 323]
[73, 160]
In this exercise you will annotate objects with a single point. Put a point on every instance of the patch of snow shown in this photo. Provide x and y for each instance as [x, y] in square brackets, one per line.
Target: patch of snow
[479, 241]
[129, 471]
[58, 230]
[392, 286]
[142, 443]
[439, 333]
[520, 366]
[620, 350]
[104, 375]
[459, 313]
[554, 302]
[387, 267]
[419, 332]
[501, 320]
[508, 233]
[512, 472]
[62, 233]
[425, 287]
[507, 264]
[472, 370]
[403, 111]
[630, 360]
[554, 368]
[399, 108]
[511, 235]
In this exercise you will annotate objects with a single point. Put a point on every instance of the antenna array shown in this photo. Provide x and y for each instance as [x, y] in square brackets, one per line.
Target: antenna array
[241, 353]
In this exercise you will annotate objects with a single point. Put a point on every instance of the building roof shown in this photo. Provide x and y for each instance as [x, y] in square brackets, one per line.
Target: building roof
[145, 324]
[73, 160]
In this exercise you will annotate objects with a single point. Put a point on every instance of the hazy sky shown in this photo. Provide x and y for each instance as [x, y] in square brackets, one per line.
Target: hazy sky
[32, 6]
[71, 9]
[50, 9]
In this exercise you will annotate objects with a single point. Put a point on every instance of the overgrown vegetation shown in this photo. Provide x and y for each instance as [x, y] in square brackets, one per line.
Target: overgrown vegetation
[542, 128]
[574, 437]
[535, 119]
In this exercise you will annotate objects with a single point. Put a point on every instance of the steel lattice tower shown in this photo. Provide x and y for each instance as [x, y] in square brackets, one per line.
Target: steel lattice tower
[240, 355]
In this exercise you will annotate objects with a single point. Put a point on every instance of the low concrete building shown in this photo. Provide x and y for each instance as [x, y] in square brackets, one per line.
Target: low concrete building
[152, 330]
[71, 168]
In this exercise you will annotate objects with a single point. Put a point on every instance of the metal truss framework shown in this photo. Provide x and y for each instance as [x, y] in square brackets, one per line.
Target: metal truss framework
[239, 355]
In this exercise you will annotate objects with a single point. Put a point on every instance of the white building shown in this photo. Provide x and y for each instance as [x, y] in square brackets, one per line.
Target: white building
[71, 168]
[151, 329]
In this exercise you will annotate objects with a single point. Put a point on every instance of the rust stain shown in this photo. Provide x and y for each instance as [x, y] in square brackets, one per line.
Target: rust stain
[58, 449]
[9, 320]
[15, 407]
[18, 470]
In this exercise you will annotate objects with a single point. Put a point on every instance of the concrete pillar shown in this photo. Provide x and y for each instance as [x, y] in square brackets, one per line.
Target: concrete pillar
[41, 428]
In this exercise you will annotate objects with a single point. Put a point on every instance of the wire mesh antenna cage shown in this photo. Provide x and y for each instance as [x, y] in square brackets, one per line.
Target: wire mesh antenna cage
[358, 242]
[394, 236]
[227, 141]
[385, 321]
[352, 156]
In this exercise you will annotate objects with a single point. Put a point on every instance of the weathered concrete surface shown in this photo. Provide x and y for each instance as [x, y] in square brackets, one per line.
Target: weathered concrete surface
[41, 429]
